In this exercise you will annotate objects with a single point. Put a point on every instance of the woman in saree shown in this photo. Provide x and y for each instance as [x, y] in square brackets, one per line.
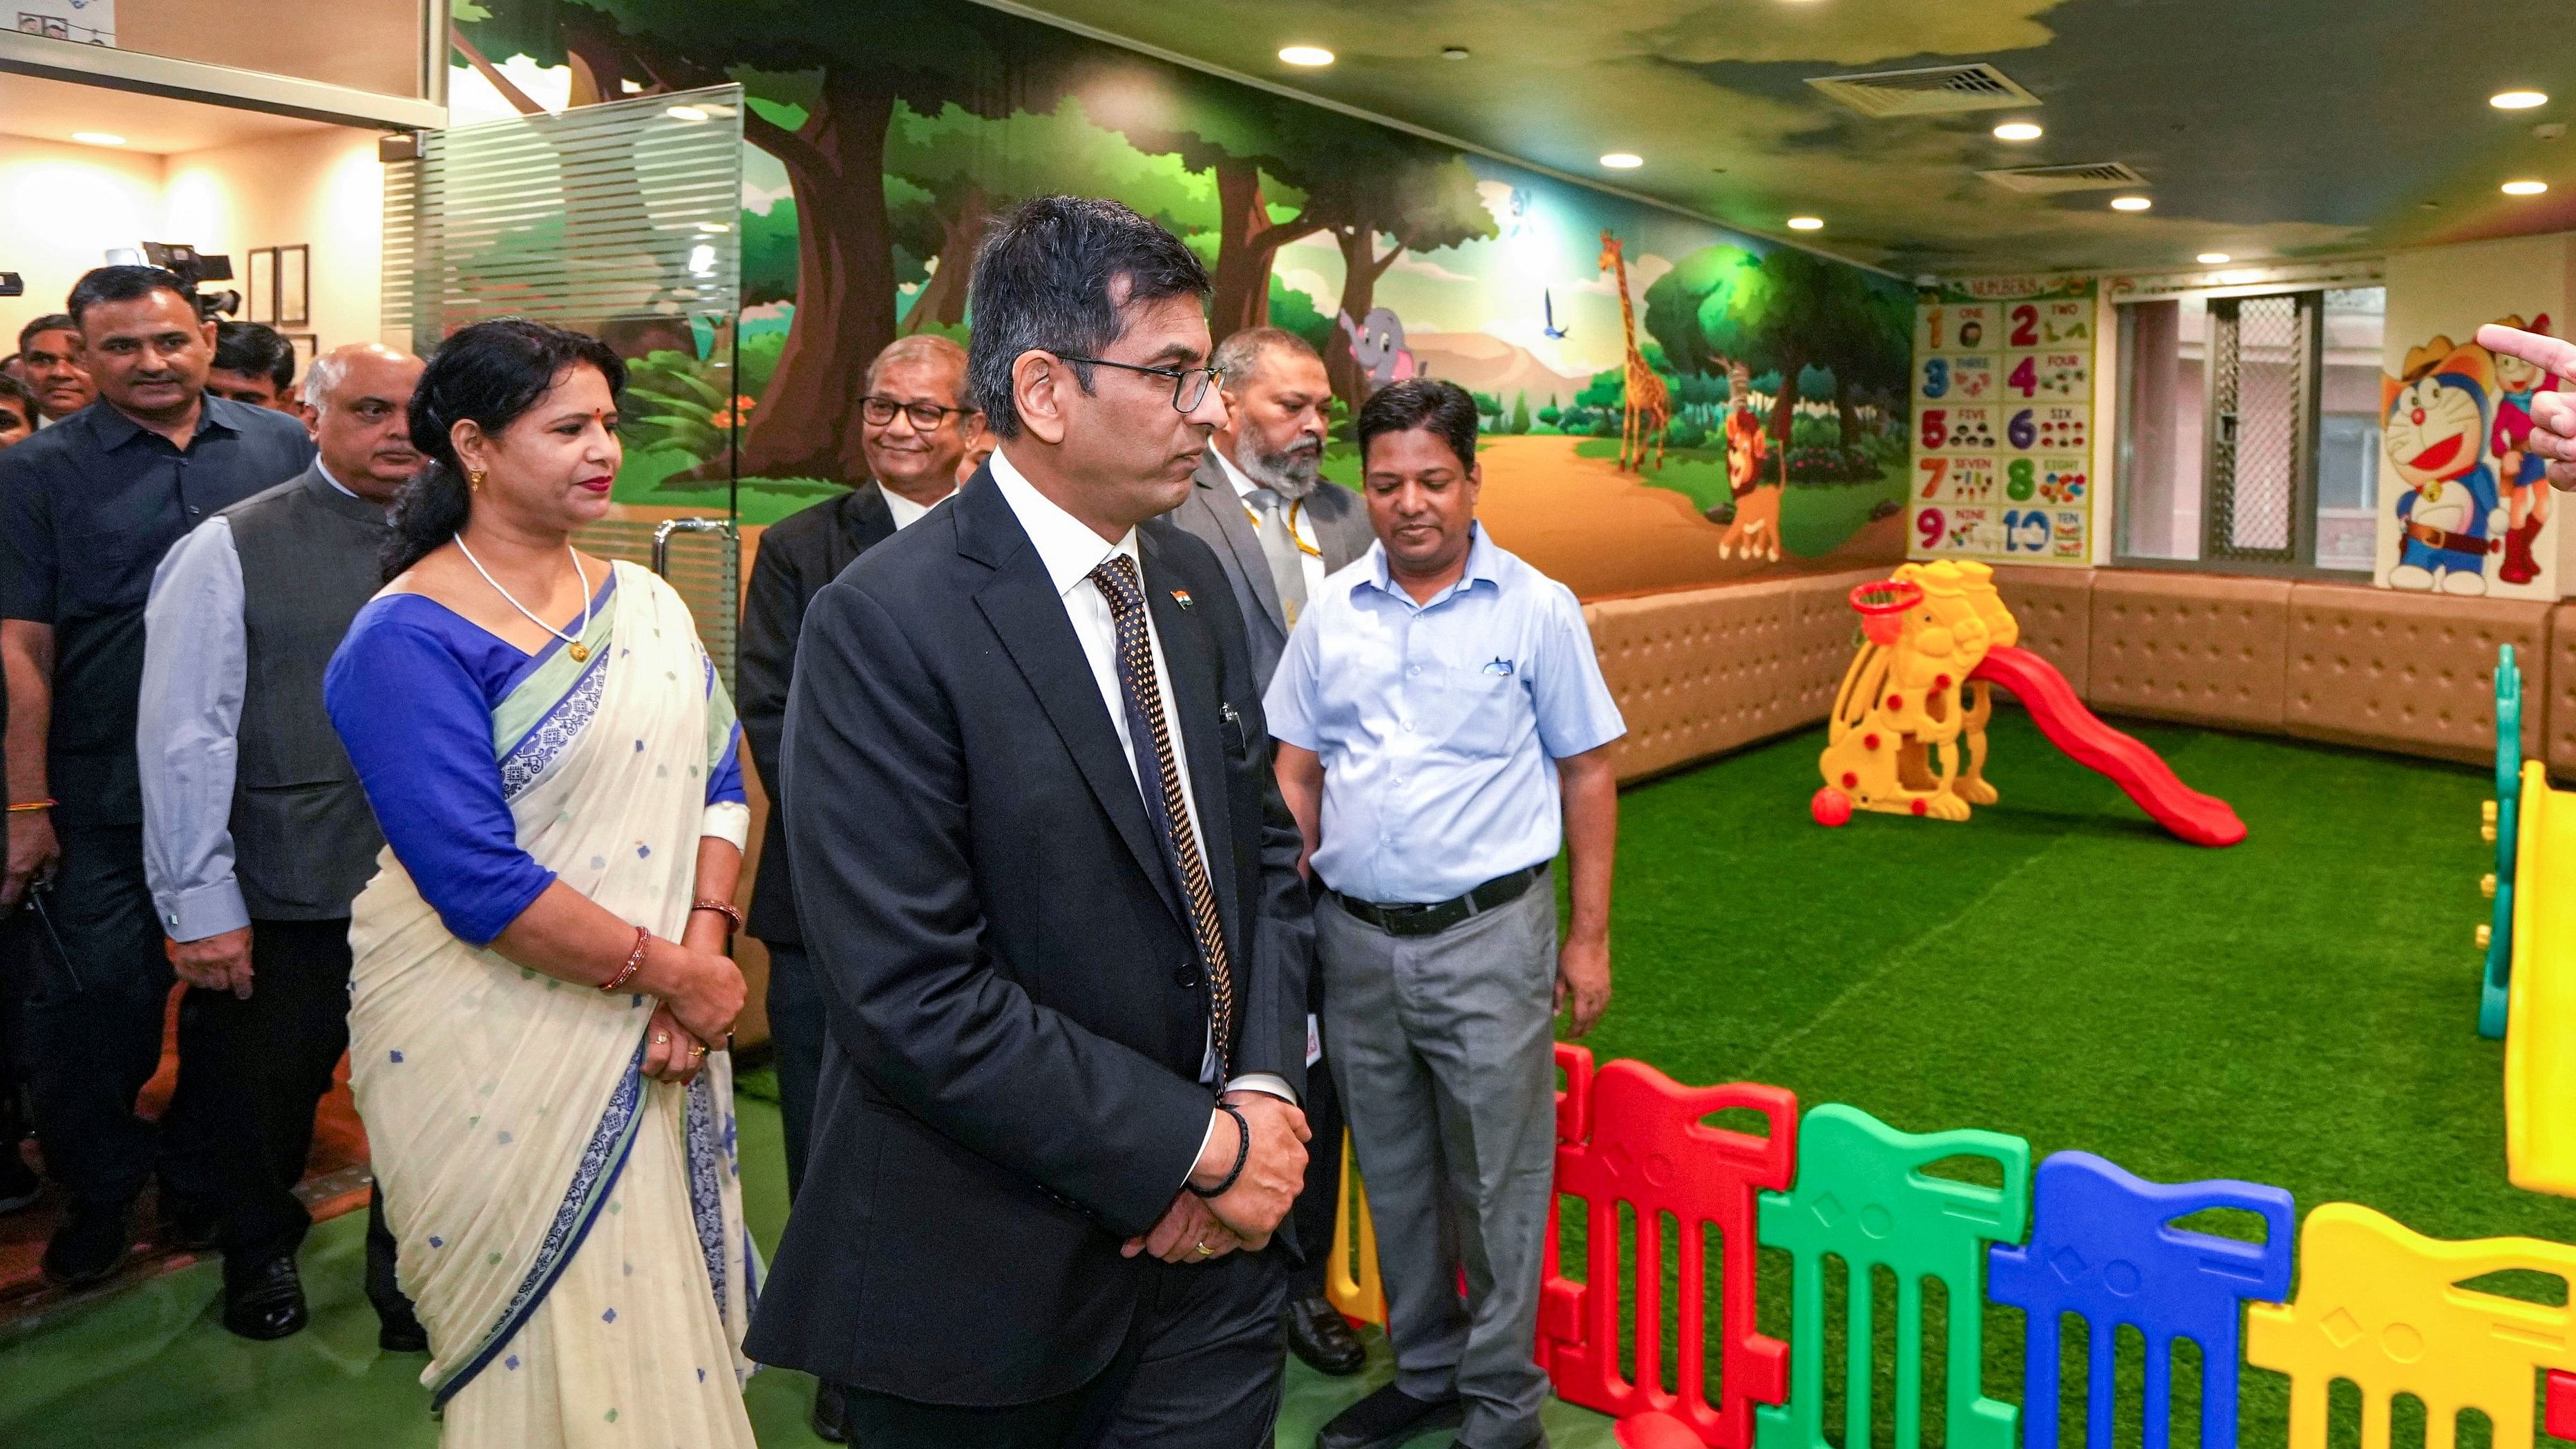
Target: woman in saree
[540, 1006]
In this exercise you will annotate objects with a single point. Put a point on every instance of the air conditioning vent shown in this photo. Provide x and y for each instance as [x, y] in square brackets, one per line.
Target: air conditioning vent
[1935, 90]
[2086, 176]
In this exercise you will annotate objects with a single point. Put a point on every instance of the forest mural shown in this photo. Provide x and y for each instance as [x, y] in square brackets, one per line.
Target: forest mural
[881, 136]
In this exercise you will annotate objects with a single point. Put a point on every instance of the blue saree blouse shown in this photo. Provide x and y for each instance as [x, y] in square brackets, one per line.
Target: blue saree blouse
[412, 692]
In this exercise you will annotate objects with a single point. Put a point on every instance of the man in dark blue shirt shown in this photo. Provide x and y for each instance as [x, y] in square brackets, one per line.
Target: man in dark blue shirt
[87, 508]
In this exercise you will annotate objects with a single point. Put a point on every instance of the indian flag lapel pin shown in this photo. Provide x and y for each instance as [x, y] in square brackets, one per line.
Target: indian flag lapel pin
[1181, 597]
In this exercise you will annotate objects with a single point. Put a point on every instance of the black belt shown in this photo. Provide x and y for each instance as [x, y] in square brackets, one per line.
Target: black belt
[1438, 916]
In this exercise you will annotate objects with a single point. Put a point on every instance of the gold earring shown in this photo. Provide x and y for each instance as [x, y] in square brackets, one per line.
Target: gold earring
[473, 480]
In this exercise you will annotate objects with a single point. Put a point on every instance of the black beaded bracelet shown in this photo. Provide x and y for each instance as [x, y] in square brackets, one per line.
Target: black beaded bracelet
[1242, 1153]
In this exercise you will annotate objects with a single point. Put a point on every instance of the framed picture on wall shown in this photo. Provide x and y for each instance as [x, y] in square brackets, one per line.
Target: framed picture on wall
[294, 286]
[307, 347]
[259, 285]
[277, 286]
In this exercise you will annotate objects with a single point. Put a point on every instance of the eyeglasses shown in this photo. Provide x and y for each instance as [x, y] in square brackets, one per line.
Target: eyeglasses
[1189, 384]
[880, 411]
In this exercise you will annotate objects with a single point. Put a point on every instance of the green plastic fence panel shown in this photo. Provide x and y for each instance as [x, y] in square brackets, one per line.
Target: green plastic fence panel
[1862, 1197]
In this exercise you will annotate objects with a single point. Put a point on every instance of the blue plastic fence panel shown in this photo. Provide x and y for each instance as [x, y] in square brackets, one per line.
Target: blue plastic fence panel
[2103, 1245]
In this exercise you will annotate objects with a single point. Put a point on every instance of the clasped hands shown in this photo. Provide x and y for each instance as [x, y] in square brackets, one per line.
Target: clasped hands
[1198, 1230]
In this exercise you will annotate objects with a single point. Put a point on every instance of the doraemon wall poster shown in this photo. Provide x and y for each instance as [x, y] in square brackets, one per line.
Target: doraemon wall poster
[2436, 426]
[2462, 509]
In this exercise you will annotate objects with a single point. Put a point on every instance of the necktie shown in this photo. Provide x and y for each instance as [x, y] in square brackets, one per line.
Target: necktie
[1151, 738]
[1287, 570]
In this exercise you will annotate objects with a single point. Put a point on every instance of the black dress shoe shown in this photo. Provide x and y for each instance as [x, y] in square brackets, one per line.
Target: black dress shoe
[1319, 1334]
[19, 1186]
[89, 1245]
[187, 1229]
[831, 1418]
[1388, 1418]
[264, 1299]
[400, 1332]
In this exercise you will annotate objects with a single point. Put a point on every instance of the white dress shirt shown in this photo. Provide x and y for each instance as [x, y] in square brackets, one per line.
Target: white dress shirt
[1258, 497]
[1069, 550]
[906, 512]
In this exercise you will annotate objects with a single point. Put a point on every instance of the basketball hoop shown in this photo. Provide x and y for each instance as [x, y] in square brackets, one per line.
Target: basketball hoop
[1882, 605]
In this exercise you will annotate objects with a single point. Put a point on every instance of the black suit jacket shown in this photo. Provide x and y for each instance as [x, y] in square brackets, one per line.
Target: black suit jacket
[798, 555]
[1017, 1020]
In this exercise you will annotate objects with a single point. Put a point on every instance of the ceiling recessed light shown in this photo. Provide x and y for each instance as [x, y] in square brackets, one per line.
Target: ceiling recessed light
[1623, 160]
[1806, 223]
[2525, 188]
[2517, 100]
[2211, 259]
[1453, 52]
[98, 138]
[714, 228]
[2018, 131]
[2130, 203]
[1307, 55]
[686, 113]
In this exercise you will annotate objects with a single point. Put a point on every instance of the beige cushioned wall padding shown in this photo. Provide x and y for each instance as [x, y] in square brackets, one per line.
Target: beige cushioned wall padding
[2555, 696]
[2409, 672]
[2055, 610]
[2195, 647]
[1702, 671]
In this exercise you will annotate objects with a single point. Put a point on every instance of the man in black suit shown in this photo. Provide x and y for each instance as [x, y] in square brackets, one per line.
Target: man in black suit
[1260, 502]
[915, 426]
[1051, 892]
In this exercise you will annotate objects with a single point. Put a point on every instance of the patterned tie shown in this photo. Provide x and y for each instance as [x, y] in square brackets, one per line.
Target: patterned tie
[1118, 583]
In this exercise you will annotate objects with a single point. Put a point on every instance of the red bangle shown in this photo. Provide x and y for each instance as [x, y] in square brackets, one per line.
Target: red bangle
[726, 909]
[634, 962]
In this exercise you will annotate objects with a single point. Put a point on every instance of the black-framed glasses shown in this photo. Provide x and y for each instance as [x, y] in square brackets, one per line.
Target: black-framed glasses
[880, 411]
[1189, 384]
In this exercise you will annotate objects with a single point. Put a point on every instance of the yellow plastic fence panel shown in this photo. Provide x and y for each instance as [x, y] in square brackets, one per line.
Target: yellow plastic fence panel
[2540, 1023]
[2381, 1305]
[1350, 1276]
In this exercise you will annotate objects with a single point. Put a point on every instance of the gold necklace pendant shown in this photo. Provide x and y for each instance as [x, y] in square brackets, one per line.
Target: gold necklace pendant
[579, 651]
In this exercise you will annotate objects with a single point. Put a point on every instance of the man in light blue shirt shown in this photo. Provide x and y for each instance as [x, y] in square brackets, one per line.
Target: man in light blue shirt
[1442, 729]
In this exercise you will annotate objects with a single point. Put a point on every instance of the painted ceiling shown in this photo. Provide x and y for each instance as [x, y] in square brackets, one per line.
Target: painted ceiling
[2266, 129]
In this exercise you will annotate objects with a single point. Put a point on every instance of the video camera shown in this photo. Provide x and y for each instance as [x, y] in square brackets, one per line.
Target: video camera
[192, 267]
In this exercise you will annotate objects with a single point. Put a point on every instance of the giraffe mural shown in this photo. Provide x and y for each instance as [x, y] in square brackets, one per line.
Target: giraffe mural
[1649, 404]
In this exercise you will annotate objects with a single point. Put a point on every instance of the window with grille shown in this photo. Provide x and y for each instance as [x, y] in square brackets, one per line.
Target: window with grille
[2249, 430]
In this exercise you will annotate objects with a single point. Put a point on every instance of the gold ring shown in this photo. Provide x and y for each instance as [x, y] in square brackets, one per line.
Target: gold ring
[1204, 1249]
[697, 1052]
[661, 1038]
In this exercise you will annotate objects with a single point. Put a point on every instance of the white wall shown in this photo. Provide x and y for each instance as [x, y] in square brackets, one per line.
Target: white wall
[323, 189]
[61, 207]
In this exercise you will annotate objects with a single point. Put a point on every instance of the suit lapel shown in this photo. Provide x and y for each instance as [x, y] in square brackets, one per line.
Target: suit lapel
[1343, 537]
[1021, 604]
[867, 518]
[1189, 658]
[1214, 491]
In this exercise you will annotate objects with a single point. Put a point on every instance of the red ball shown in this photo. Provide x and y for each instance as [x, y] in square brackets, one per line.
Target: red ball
[1830, 807]
[1920, 807]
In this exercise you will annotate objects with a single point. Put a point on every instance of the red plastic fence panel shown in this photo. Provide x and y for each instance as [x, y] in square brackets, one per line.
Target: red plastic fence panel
[1629, 1134]
[2558, 1411]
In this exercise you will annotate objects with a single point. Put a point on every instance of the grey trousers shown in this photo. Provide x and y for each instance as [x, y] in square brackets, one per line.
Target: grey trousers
[1442, 1047]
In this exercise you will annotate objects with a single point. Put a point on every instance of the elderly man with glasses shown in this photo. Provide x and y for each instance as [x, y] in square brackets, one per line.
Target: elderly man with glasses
[915, 426]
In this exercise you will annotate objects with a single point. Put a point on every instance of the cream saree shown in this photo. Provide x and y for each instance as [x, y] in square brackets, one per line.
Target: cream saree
[570, 1230]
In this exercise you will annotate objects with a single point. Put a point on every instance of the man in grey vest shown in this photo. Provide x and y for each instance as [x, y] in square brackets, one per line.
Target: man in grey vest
[255, 835]
[1277, 528]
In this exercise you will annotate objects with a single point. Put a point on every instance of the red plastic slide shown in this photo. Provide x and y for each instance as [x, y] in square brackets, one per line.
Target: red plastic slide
[2200, 819]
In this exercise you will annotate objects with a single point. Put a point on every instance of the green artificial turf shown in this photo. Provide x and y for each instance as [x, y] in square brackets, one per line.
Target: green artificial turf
[2298, 1011]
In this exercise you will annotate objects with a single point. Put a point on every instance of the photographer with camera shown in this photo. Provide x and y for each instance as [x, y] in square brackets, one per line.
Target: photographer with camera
[87, 509]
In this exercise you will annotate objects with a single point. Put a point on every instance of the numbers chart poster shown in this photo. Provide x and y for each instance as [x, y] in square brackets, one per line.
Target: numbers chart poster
[2003, 421]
